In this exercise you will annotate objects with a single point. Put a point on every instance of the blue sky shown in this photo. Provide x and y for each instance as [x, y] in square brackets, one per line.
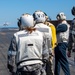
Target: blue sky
[10, 10]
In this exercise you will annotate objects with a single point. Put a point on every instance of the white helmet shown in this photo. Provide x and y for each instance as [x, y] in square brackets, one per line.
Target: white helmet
[39, 16]
[61, 16]
[27, 20]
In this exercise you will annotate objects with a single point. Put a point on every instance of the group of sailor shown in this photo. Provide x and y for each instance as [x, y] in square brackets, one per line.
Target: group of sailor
[37, 42]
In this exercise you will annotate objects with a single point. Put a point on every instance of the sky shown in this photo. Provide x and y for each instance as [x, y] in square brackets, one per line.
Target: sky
[10, 10]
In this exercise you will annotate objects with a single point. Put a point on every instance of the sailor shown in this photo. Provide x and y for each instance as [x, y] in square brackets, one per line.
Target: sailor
[40, 18]
[54, 43]
[28, 49]
[73, 37]
[62, 31]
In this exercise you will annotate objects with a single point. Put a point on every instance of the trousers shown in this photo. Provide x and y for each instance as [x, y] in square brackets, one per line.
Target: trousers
[49, 66]
[36, 69]
[61, 59]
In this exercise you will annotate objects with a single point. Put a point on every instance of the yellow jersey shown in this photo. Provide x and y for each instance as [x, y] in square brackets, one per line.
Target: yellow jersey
[54, 38]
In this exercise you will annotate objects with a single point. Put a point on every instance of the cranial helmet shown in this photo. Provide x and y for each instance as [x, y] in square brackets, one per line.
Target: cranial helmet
[27, 20]
[73, 11]
[39, 16]
[61, 16]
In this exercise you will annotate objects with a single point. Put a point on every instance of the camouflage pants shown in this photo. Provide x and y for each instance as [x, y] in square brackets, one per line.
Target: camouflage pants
[49, 66]
[36, 69]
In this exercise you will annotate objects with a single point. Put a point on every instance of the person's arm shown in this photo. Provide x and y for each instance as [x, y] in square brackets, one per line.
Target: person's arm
[45, 48]
[61, 28]
[54, 38]
[11, 55]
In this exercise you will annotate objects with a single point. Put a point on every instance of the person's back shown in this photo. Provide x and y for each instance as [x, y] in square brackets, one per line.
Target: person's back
[39, 18]
[29, 47]
[44, 29]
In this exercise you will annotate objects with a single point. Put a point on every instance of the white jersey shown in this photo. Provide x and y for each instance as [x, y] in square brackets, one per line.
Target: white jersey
[28, 47]
[46, 30]
[63, 36]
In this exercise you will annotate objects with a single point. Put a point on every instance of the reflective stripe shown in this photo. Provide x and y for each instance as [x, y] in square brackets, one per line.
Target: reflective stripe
[29, 63]
[43, 29]
[64, 41]
[11, 52]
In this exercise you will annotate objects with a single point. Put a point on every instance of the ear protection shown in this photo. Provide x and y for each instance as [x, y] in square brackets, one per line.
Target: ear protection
[58, 17]
[34, 16]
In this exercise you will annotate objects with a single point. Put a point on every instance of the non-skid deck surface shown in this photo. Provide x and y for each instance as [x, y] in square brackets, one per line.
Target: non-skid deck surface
[5, 38]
